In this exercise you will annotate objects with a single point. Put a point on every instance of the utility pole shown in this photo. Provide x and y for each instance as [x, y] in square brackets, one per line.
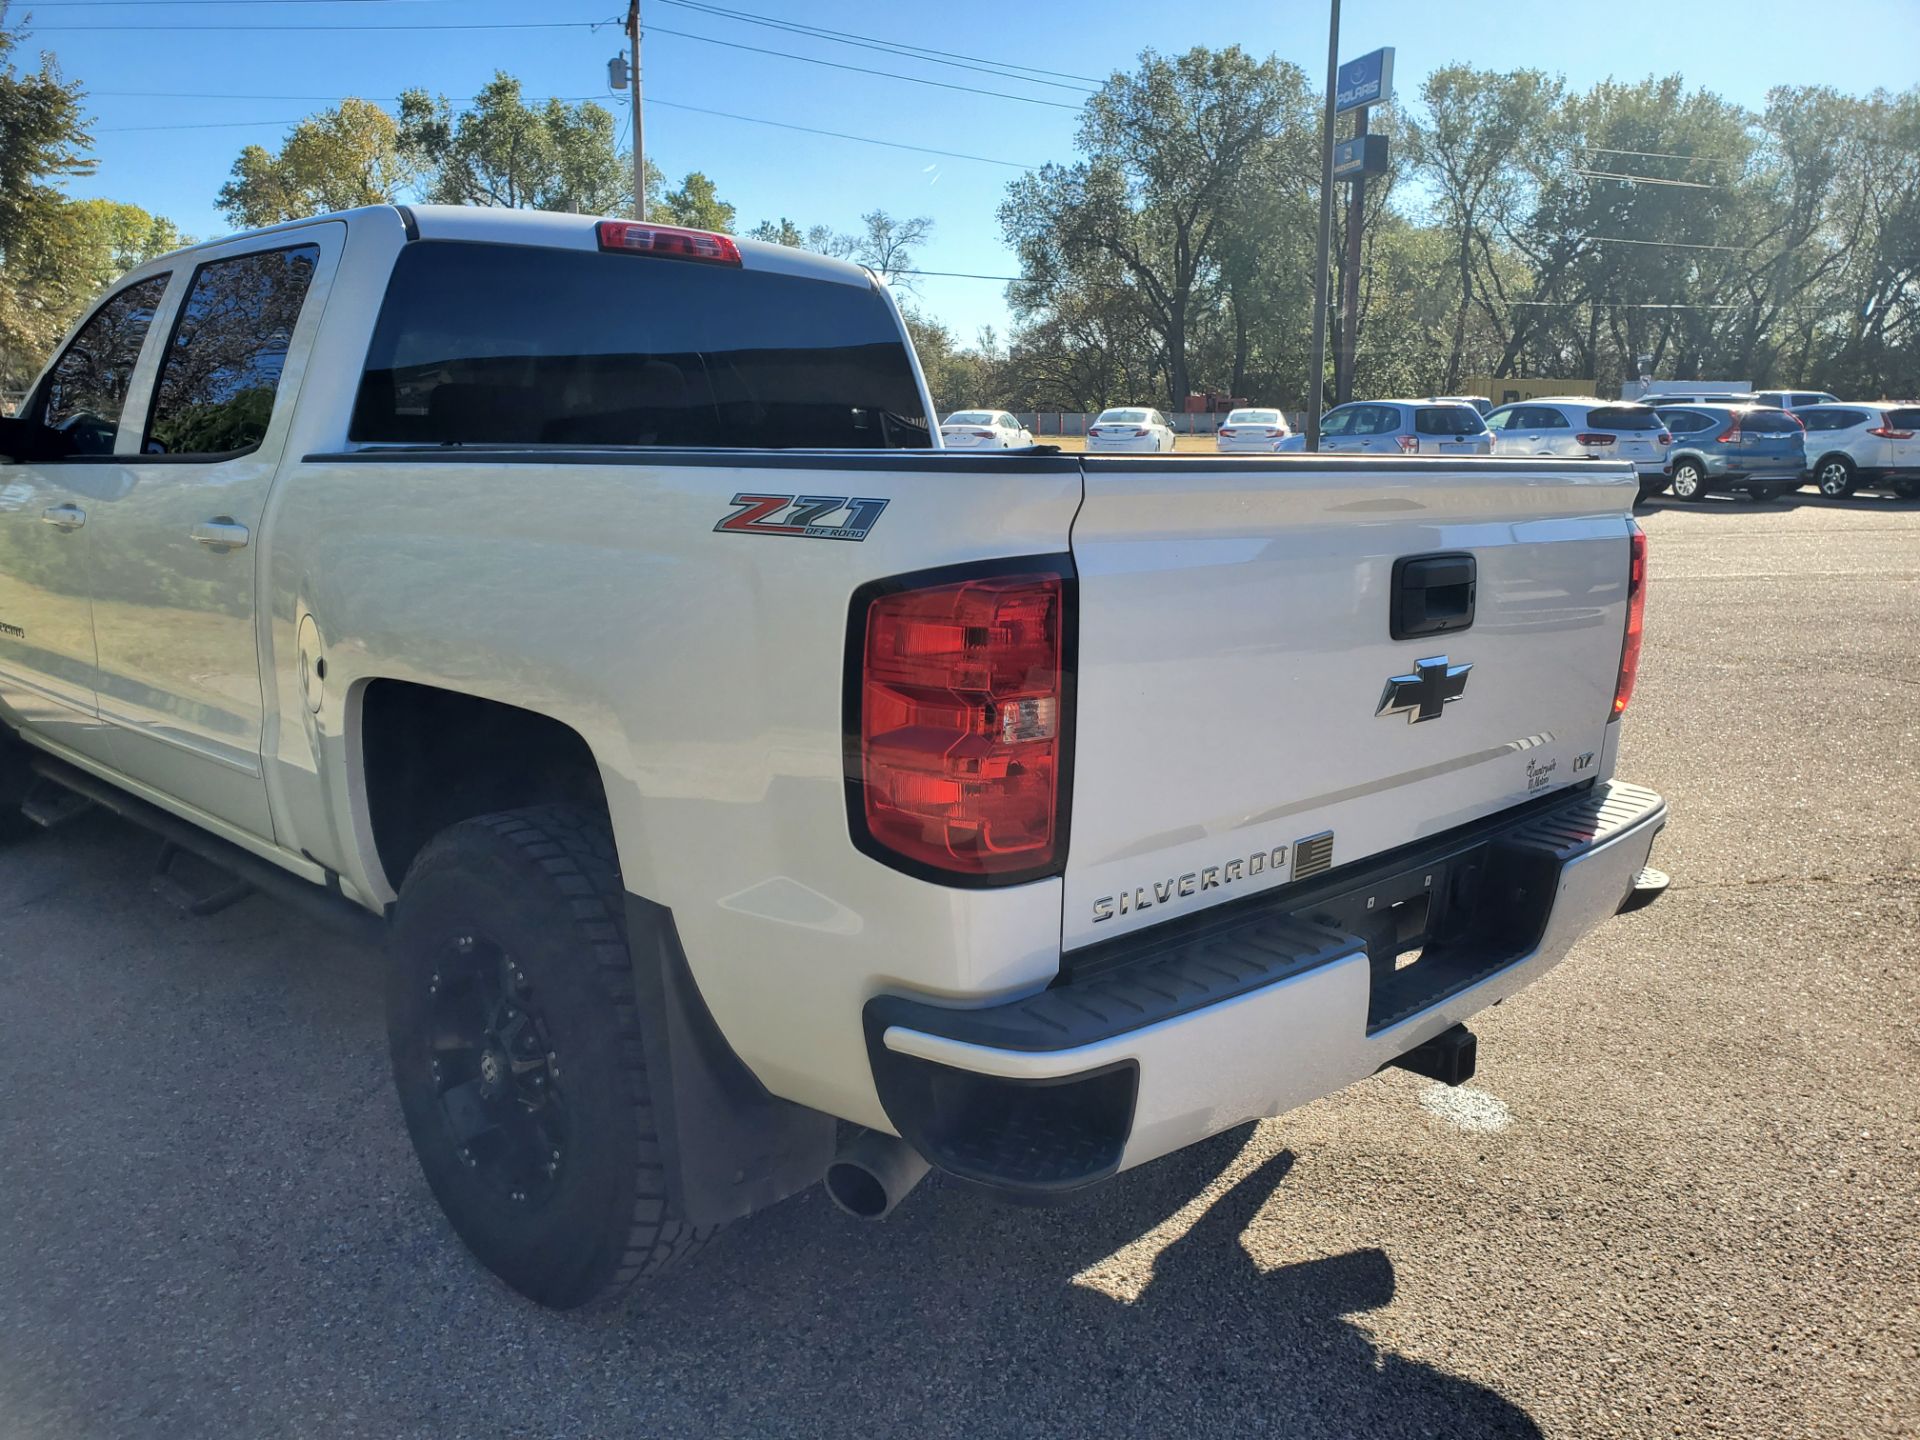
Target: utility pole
[1317, 366]
[639, 141]
[1350, 299]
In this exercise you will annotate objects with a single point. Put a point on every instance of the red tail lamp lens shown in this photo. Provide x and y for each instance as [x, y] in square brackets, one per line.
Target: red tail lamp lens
[1636, 618]
[671, 241]
[961, 724]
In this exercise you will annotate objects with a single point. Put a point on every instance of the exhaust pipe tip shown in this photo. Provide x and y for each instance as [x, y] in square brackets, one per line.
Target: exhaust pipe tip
[872, 1173]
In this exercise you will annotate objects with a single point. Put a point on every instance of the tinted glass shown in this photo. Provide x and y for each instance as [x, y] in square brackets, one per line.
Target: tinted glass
[1685, 422]
[1903, 419]
[87, 387]
[519, 345]
[1448, 420]
[1339, 422]
[1122, 417]
[971, 417]
[1377, 420]
[1811, 398]
[1832, 419]
[1623, 417]
[1769, 422]
[1548, 418]
[222, 366]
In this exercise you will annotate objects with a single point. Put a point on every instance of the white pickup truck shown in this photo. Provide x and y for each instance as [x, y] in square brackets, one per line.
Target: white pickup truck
[591, 603]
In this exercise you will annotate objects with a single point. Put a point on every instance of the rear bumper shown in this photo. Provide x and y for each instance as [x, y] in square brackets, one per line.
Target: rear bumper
[1164, 1038]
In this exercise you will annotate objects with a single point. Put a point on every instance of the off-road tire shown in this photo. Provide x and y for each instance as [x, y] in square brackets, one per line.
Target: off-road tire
[541, 888]
[1835, 477]
[1689, 482]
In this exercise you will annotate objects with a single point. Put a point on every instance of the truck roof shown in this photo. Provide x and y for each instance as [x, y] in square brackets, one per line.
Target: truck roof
[498, 225]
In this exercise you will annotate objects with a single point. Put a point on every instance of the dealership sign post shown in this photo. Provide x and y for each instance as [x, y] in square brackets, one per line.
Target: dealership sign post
[1363, 83]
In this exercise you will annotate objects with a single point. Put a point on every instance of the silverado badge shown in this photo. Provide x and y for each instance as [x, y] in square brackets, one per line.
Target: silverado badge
[1422, 695]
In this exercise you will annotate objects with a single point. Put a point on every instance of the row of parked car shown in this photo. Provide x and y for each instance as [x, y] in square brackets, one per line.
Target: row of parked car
[1760, 445]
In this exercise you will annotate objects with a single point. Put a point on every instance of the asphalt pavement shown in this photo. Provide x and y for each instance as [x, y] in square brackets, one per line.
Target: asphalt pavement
[1682, 1197]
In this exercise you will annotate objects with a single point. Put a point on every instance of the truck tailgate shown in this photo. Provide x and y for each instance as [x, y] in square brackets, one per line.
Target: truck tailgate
[1234, 727]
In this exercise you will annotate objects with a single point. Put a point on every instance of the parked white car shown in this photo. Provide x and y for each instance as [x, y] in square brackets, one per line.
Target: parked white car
[1245, 431]
[1581, 427]
[984, 430]
[1794, 399]
[1858, 446]
[1130, 430]
[1399, 427]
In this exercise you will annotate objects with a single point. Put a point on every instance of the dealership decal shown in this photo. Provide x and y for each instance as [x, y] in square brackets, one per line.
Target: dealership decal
[809, 517]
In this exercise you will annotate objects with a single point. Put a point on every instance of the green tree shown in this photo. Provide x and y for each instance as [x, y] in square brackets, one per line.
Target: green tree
[695, 205]
[505, 152]
[340, 158]
[1168, 151]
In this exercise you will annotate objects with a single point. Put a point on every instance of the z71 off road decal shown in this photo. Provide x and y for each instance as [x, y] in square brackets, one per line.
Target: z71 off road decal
[812, 517]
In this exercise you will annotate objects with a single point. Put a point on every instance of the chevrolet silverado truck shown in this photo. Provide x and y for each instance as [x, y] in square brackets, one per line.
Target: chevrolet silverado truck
[750, 793]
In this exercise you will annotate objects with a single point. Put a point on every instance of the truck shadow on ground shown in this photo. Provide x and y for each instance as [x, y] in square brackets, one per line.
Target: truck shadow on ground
[285, 1270]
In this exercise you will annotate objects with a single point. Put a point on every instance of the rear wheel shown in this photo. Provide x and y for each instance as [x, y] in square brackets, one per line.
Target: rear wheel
[516, 1049]
[1689, 481]
[1836, 477]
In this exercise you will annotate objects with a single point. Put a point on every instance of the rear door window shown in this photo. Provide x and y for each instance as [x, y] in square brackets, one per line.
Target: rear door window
[1769, 422]
[1448, 420]
[1686, 422]
[1819, 420]
[222, 365]
[1908, 419]
[522, 345]
[86, 390]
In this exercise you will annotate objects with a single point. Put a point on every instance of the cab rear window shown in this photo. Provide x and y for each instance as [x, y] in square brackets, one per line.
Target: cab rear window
[1448, 420]
[520, 345]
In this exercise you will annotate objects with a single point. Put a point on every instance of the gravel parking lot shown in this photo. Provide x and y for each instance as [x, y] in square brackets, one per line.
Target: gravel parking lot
[1681, 1197]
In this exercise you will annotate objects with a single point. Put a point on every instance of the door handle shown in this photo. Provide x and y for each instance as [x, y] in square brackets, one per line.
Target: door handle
[222, 532]
[64, 517]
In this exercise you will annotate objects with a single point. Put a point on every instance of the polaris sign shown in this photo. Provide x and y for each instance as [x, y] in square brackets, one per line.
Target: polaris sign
[1366, 81]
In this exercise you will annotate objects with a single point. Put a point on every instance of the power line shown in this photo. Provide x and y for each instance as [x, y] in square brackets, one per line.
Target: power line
[1649, 180]
[856, 69]
[957, 274]
[1005, 70]
[154, 4]
[1655, 154]
[275, 29]
[1624, 305]
[569, 99]
[1672, 244]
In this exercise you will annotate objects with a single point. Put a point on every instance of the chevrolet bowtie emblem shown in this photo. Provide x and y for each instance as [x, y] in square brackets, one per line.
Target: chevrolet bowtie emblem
[1424, 694]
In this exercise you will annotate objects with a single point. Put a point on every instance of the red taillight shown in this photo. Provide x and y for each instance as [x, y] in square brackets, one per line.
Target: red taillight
[1887, 432]
[1636, 617]
[1226, 434]
[962, 724]
[636, 238]
[981, 434]
[1410, 444]
[1663, 438]
[1731, 434]
[1590, 437]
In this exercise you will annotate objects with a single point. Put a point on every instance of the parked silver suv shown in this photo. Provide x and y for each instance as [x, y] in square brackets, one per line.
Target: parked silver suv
[1858, 446]
[1399, 427]
[1581, 427]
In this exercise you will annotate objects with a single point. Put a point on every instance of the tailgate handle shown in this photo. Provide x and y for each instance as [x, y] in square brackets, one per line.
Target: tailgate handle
[1432, 594]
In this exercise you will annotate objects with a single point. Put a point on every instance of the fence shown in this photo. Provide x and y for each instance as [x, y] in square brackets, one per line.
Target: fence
[1075, 422]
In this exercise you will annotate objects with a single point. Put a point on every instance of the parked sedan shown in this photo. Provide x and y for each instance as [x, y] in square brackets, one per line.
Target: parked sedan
[1852, 446]
[1399, 427]
[1130, 430]
[1250, 430]
[1581, 427]
[984, 430]
[1754, 448]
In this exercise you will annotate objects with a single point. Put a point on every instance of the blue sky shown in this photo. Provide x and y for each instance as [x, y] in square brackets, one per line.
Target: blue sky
[1739, 48]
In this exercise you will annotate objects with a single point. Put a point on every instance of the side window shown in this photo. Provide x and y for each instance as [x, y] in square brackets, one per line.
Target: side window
[1376, 420]
[1550, 418]
[87, 387]
[1337, 422]
[1500, 419]
[222, 365]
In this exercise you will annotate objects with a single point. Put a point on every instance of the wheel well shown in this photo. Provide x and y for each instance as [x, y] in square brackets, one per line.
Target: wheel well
[434, 757]
[1832, 455]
